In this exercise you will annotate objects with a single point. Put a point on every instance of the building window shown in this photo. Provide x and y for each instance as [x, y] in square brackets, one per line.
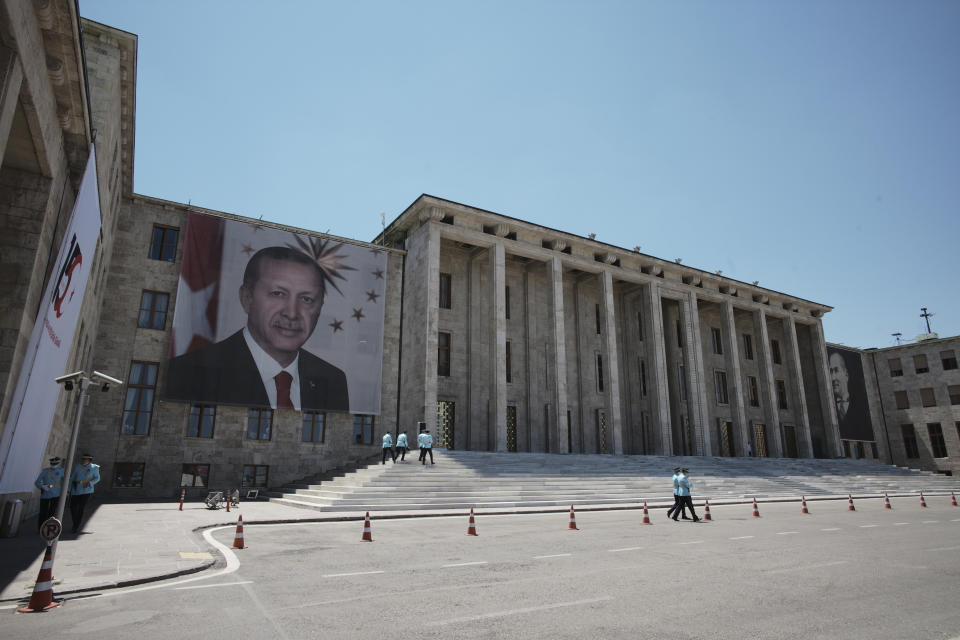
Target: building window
[909, 441]
[639, 326]
[753, 391]
[682, 380]
[896, 369]
[599, 373]
[781, 394]
[597, 314]
[679, 336]
[446, 288]
[259, 424]
[775, 351]
[194, 475]
[936, 440]
[643, 378]
[255, 475]
[138, 406]
[362, 429]
[928, 398]
[443, 354]
[153, 310]
[163, 244]
[720, 384]
[128, 475]
[508, 356]
[506, 302]
[954, 391]
[902, 399]
[717, 341]
[949, 359]
[920, 363]
[313, 422]
[202, 417]
[747, 346]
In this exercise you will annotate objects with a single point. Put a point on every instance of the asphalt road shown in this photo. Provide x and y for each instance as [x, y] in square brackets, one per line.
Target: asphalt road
[833, 574]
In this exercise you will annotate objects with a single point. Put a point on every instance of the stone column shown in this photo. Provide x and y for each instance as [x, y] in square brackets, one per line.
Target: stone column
[611, 361]
[833, 446]
[767, 388]
[498, 346]
[735, 379]
[658, 367]
[696, 389]
[805, 445]
[559, 391]
[11, 78]
[432, 316]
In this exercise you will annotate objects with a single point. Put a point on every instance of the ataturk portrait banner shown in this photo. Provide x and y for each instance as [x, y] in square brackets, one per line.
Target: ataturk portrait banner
[272, 318]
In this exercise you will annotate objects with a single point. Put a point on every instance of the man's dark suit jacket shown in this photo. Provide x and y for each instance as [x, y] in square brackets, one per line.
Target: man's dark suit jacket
[225, 373]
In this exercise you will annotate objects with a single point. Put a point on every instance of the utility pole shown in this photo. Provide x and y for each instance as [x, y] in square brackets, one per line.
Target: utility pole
[926, 316]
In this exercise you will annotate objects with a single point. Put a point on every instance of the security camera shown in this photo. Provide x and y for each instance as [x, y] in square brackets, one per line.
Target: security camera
[96, 376]
[69, 379]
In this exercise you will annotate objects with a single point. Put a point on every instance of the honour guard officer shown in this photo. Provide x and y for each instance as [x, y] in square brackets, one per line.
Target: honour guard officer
[401, 446]
[678, 504]
[84, 477]
[388, 449]
[50, 481]
[686, 485]
[427, 447]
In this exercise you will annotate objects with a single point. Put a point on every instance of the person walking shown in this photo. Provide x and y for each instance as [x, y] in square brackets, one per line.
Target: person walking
[686, 487]
[84, 477]
[427, 447]
[401, 447]
[421, 446]
[678, 504]
[388, 449]
[50, 482]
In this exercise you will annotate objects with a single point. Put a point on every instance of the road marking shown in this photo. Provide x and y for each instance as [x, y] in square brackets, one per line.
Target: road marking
[513, 612]
[210, 586]
[344, 575]
[897, 524]
[955, 520]
[693, 542]
[556, 555]
[625, 549]
[465, 564]
[868, 526]
[943, 549]
[831, 529]
[930, 522]
[810, 566]
[742, 538]
[786, 533]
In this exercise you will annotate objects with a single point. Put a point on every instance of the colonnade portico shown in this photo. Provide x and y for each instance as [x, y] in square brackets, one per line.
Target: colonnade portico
[546, 375]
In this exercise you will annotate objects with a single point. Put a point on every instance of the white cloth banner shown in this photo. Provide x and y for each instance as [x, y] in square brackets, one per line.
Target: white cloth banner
[35, 400]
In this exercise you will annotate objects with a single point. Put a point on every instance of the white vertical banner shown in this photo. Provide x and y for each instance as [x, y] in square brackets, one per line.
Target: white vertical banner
[35, 399]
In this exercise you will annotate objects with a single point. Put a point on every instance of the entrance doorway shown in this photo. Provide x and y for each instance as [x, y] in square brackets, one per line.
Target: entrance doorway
[790, 441]
[602, 430]
[511, 429]
[446, 414]
[760, 437]
[726, 438]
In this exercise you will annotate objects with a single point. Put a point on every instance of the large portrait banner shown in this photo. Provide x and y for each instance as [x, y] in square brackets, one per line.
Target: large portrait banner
[271, 318]
[850, 394]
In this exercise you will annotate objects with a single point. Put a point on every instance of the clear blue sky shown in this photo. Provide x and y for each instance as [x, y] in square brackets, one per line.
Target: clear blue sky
[813, 146]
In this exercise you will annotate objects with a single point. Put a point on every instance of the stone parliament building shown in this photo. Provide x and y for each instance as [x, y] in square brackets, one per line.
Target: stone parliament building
[499, 334]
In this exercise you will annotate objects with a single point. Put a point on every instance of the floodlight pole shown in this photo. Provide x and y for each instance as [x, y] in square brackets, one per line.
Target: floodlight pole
[82, 383]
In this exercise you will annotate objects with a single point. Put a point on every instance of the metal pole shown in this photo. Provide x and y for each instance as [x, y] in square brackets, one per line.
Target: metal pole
[82, 384]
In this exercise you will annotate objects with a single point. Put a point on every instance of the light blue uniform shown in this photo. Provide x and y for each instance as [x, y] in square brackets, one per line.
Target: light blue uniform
[420, 439]
[685, 485]
[83, 478]
[388, 441]
[427, 441]
[49, 482]
[676, 484]
[402, 440]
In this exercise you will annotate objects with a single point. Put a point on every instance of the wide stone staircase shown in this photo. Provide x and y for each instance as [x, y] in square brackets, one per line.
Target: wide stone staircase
[520, 481]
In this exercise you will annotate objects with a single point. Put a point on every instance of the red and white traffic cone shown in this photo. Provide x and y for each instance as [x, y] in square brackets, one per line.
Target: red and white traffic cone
[850, 503]
[42, 597]
[953, 499]
[367, 532]
[923, 503]
[238, 536]
[886, 501]
[756, 511]
[646, 514]
[183, 492]
[228, 500]
[706, 510]
[573, 521]
[803, 505]
[472, 525]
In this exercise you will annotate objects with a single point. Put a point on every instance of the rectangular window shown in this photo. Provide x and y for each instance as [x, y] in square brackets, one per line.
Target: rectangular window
[753, 391]
[896, 369]
[597, 313]
[259, 424]
[313, 423]
[902, 400]
[720, 384]
[138, 405]
[747, 346]
[443, 354]
[639, 326]
[202, 417]
[506, 300]
[362, 429]
[163, 244]
[781, 394]
[643, 378]
[775, 351]
[717, 341]
[954, 391]
[909, 441]
[255, 475]
[127, 475]
[927, 398]
[509, 361]
[446, 287]
[682, 380]
[937, 444]
[153, 310]
[194, 475]
[949, 359]
[920, 363]
[599, 373]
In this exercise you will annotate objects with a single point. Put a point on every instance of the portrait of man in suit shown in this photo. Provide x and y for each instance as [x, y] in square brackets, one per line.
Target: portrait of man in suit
[264, 363]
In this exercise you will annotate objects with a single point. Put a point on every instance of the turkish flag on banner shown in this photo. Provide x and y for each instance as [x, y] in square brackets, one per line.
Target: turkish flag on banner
[195, 318]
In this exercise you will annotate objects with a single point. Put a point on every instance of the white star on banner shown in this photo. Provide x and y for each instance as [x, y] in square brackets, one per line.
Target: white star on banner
[194, 306]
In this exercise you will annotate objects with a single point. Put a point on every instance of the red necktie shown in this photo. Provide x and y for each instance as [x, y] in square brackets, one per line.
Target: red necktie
[283, 380]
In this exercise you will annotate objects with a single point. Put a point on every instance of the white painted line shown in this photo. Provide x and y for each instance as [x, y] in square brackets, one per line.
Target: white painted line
[556, 555]
[786, 533]
[943, 549]
[897, 524]
[693, 542]
[930, 522]
[625, 549]
[344, 575]
[742, 538]
[810, 566]
[868, 526]
[210, 586]
[955, 520]
[831, 529]
[465, 564]
[514, 612]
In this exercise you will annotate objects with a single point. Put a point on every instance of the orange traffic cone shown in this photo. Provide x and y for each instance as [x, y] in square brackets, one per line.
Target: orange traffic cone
[953, 499]
[42, 597]
[706, 510]
[756, 511]
[238, 537]
[646, 514]
[183, 492]
[472, 525]
[573, 520]
[923, 503]
[886, 501]
[367, 533]
[803, 505]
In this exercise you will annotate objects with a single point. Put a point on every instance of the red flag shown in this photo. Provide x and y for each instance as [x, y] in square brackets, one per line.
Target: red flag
[195, 321]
